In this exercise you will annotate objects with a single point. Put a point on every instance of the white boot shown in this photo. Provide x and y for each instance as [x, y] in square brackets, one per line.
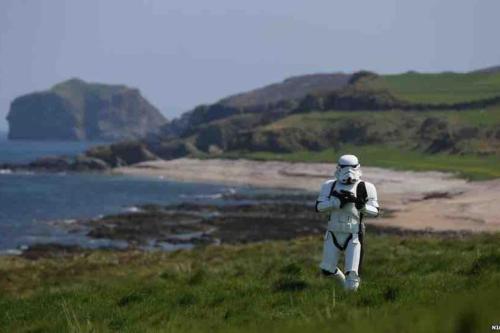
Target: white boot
[352, 281]
[340, 277]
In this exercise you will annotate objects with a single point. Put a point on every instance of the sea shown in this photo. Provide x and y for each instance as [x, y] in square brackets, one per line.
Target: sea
[41, 207]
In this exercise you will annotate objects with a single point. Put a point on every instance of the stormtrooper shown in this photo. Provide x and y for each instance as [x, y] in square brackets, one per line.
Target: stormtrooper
[348, 200]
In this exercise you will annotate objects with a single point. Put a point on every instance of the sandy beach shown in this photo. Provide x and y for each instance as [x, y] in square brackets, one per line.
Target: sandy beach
[411, 200]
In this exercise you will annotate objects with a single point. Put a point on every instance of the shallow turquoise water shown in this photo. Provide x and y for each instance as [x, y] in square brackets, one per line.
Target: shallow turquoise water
[30, 203]
[22, 151]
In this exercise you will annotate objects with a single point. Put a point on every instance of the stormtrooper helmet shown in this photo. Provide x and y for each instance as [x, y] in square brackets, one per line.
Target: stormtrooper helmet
[348, 169]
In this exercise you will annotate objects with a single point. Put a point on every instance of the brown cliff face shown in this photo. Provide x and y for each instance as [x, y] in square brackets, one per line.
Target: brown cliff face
[76, 110]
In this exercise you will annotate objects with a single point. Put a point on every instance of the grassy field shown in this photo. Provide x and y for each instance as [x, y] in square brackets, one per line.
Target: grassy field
[471, 167]
[435, 88]
[489, 117]
[401, 151]
[410, 284]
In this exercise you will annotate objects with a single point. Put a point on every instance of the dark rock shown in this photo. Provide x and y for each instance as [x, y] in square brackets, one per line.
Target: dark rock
[362, 75]
[51, 163]
[211, 136]
[76, 110]
[85, 163]
[142, 226]
[44, 116]
[310, 103]
[432, 127]
[170, 149]
[352, 98]
[443, 143]
[123, 153]
[468, 133]
[294, 88]
[436, 134]
[202, 224]
[231, 224]
[132, 152]
[38, 251]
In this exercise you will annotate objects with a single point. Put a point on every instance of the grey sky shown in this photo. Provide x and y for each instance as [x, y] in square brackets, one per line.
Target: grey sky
[182, 53]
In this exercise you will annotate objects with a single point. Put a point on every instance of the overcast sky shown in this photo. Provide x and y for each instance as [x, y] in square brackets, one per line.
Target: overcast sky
[182, 53]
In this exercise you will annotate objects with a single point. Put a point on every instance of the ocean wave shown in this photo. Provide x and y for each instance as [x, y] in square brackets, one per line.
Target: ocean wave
[11, 252]
[212, 196]
[132, 209]
[16, 172]
[62, 222]
[202, 196]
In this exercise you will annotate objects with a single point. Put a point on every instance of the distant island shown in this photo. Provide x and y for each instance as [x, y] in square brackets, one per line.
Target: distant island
[77, 110]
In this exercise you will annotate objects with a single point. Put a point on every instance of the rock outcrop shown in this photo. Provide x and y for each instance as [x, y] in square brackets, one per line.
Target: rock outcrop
[76, 110]
[293, 88]
[274, 100]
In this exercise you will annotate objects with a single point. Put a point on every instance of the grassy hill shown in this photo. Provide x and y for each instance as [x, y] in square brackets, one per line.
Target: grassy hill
[456, 141]
[466, 166]
[437, 88]
[445, 121]
[292, 88]
[447, 283]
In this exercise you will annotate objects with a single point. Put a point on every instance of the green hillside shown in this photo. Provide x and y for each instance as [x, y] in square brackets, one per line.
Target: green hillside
[471, 167]
[444, 121]
[436, 88]
[489, 116]
[465, 142]
[410, 284]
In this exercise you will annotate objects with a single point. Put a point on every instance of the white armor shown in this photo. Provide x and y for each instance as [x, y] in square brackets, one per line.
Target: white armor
[347, 205]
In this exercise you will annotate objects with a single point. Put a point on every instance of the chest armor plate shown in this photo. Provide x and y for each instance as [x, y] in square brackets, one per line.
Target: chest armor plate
[347, 218]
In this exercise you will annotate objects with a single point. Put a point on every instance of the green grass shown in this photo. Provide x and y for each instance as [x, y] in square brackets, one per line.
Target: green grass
[76, 91]
[438, 88]
[489, 117]
[410, 284]
[318, 121]
[399, 152]
[472, 167]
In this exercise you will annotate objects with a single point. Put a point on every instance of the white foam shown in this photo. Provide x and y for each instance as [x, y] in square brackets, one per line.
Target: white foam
[132, 209]
[11, 252]
[202, 196]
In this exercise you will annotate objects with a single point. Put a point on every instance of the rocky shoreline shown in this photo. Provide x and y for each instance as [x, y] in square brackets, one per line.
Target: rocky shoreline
[96, 159]
[414, 203]
[80, 163]
[238, 220]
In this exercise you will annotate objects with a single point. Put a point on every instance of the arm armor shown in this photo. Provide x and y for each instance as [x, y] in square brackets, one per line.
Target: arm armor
[325, 202]
[371, 208]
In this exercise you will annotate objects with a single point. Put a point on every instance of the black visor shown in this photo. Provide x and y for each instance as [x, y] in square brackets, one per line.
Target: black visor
[346, 165]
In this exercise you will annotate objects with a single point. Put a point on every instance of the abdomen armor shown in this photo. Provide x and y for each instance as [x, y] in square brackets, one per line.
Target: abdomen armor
[345, 219]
